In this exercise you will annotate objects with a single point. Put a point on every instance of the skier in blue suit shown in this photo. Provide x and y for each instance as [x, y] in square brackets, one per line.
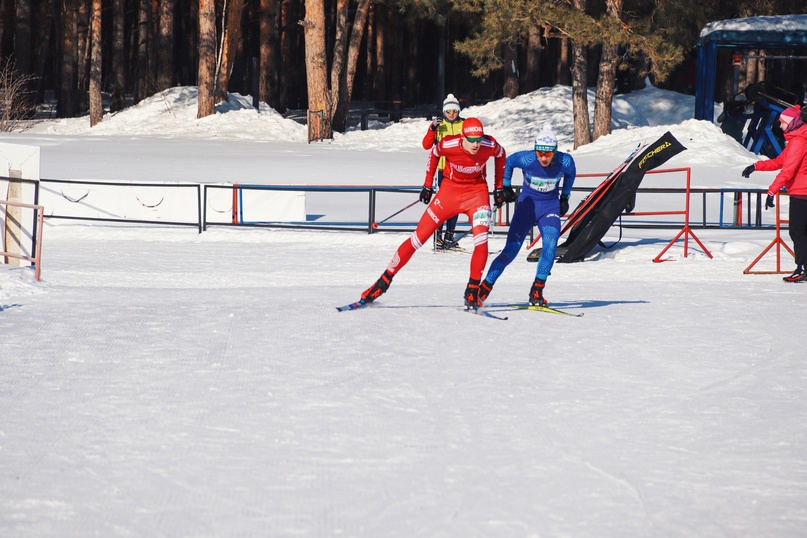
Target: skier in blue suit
[547, 173]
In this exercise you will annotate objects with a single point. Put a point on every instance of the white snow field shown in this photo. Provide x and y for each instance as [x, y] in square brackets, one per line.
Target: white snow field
[163, 382]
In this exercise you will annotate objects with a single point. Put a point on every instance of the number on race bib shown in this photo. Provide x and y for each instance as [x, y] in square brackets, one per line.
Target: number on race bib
[482, 217]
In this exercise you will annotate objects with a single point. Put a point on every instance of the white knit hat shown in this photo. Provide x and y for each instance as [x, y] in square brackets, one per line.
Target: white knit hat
[546, 140]
[451, 103]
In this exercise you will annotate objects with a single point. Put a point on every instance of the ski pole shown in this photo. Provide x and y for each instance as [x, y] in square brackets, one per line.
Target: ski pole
[375, 224]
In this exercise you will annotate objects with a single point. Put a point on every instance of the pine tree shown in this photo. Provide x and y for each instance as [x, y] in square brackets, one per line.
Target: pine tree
[589, 26]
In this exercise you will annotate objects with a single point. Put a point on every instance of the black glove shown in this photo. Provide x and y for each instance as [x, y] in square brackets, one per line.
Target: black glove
[426, 194]
[498, 197]
[509, 194]
[769, 202]
[564, 204]
[435, 123]
[748, 169]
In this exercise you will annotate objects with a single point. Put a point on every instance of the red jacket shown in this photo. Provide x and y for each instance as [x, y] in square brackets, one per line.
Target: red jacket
[446, 128]
[462, 167]
[793, 165]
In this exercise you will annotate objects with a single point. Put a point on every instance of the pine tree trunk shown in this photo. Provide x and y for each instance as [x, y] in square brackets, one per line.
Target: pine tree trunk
[369, 57]
[339, 52]
[396, 65]
[2, 20]
[67, 103]
[606, 82]
[532, 70]
[96, 104]
[582, 132]
[22, 38]
[189, 23]
[380, 72]
[165, 48]
[229, 43]
[510, 60]
[412, 82]
[316, 64]
[207, 58]
[562, 66]
[47, 14]
[118, 74]
[346, 80]
[83, 47]
[285, 79]
[754, 69]
[153, 44]
[141, 53]
[268, 19]
[604, 96]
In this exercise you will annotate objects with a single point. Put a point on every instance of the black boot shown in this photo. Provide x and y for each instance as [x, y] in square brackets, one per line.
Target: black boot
[472, 295]
[438, 239]
[374, 292]
[484, 291]
[448, 240]
[537, 293]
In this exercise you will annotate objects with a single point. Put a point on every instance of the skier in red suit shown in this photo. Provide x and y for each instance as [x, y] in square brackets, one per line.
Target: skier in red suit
[464, 191]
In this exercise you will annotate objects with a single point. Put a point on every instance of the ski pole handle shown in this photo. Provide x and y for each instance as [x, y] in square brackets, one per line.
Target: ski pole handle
[375, 224]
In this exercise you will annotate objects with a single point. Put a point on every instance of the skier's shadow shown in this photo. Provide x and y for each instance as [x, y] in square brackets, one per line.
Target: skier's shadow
[456, 306]
[585, 304]
[605, 248]
[592, 303]
[4, 307]
[565, 305]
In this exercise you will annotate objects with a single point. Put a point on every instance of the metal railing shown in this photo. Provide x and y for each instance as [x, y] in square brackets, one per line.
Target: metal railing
[114, 184]
[720, 208]
[735, 208]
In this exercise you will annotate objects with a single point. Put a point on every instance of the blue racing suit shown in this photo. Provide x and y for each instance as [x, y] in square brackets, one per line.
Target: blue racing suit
[539, 203]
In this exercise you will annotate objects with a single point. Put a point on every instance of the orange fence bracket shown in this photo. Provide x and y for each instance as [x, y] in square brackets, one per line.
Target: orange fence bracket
[778, 242]
[236, 191]
[686, 231]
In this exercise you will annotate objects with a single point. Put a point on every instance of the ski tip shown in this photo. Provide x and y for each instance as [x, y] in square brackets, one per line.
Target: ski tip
[352, 306]
[548, 309]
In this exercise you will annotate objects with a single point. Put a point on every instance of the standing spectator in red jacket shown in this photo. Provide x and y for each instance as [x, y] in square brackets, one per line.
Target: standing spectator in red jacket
[792, 164]
[464, 191]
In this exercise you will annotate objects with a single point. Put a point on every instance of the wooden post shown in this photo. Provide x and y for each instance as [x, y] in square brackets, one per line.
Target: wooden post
[13, 239]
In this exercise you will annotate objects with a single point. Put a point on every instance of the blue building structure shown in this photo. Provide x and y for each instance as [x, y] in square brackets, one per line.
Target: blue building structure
[781, 32]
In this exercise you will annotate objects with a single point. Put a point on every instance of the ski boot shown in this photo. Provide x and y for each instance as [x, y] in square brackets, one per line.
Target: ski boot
[438, 240]
[484, 291]
[798, 275]
[537, 293]
[374, 292]
[472, 295]
[448, 240]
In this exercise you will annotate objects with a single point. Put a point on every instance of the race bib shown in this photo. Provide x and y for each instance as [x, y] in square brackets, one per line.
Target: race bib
[543, 184]
[482, 217]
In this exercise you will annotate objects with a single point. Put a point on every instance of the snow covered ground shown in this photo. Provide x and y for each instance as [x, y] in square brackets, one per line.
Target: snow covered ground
[161, 382]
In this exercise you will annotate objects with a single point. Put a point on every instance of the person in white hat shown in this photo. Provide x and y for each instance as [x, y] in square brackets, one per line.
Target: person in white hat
[548, 179]
[448, 125]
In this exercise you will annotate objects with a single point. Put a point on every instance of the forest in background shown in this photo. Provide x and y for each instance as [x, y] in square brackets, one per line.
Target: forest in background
[328, 54]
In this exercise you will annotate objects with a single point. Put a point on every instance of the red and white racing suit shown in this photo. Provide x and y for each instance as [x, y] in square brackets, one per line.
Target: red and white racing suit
[464, 191]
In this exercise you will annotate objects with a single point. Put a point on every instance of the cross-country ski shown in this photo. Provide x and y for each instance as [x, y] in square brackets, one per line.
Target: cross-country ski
[547, 309]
